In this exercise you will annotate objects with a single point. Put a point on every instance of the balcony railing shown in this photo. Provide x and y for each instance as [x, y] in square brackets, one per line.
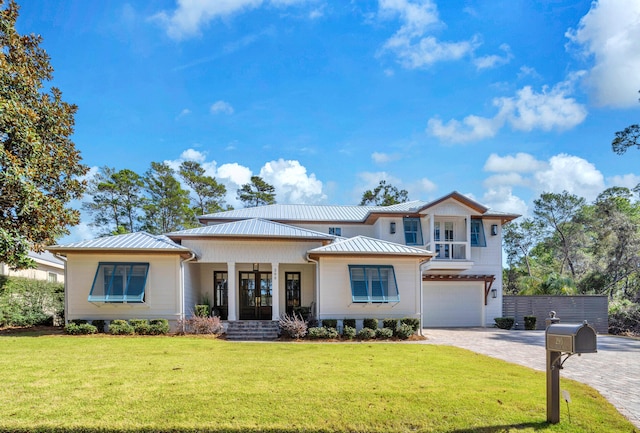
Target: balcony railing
[451, 250]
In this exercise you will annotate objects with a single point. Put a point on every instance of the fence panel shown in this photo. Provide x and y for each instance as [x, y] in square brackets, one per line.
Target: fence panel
[570, 309]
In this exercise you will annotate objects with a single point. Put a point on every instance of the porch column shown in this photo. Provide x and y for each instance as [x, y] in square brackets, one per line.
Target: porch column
[275, 292]
[232, 291]
[432, 245]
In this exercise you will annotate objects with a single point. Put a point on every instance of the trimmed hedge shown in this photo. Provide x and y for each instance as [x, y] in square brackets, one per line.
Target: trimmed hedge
[72, 328]
[384, 333]
[330, 323]
[504, 322]
[120, 327]
[404, 331]
[530, 323]
[390, 323]
[414, 322]
[349, 332]
[370, 324]
[367, 333]
[349, 322]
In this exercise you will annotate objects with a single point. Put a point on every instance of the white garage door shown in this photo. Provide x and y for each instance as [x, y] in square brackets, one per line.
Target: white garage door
[455, 304]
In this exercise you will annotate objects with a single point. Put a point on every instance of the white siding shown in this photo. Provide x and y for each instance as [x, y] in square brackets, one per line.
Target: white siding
[335, 290]
[161, 290]
[256, 251]
[347, 230]
[41, 272]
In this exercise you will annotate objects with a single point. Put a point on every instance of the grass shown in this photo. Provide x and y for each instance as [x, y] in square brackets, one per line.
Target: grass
[183, 384]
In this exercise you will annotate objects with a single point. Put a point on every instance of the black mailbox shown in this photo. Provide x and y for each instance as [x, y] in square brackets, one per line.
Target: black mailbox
[571, 338]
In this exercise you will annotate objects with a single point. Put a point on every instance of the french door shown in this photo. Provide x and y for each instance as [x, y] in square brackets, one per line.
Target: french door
[255, 296]
[220, 295]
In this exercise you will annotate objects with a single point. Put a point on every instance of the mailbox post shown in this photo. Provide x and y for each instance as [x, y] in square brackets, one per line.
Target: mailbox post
[568, 339]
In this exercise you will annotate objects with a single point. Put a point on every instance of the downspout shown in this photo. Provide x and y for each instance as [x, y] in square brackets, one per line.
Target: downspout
[66, 301]
[317, 291]
[193, 257]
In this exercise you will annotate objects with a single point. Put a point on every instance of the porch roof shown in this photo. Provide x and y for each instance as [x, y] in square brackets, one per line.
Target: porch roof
[364, 245]
[252, 228]
[139, 241]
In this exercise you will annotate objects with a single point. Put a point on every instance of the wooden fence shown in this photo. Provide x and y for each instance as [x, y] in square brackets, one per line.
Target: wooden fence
[569, 309]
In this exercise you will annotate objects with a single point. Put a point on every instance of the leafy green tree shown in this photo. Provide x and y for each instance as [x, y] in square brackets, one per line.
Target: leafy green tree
[384, 195]
[626, 138]
[167, 206]
[557, 213]
[209, 194]
[39, 164]
[257, 193]
[117, 200]
[518, 239]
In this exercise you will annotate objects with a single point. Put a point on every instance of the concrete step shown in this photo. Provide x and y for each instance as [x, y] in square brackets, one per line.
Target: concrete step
[248, 330]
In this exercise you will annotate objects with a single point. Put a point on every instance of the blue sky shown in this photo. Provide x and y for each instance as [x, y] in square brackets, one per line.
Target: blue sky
[499, 100]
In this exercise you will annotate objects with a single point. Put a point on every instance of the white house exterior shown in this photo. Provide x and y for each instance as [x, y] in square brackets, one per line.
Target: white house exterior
[48, 268]
[439, 261]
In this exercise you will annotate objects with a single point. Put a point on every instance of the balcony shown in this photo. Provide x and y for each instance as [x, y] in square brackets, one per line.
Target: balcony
[450, 256]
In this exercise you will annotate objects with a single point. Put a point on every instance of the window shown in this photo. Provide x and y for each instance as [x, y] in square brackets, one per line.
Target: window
[412, 231]
[373, 284]
[336, 231]
[119, 282]
[477, 234]
[52, 277]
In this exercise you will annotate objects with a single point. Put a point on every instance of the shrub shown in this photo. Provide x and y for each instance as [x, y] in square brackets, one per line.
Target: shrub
[317, 332]
[330, 323]
[384, 333]
[404, 331]
[349, 322]
[624, 318]
[390, 323]
[202, 310]
[370, 324]
[530, 323]
[349, 332]
[414, 322]
[99, 324]
[366, 334]
[200, 325]
[504, 322]
[72, 328]
[27, 302]
[140, 326]
[158, 327]
[293, 326]
[120, 327]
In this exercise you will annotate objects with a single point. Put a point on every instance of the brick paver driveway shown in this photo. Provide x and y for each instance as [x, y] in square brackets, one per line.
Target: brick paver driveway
[614, 371]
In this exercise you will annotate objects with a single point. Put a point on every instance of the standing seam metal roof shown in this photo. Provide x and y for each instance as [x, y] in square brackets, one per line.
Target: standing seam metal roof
[252, 228]
[367, 245]
[131, 241]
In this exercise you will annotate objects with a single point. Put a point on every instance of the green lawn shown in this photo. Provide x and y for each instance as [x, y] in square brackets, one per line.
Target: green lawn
[102, 383]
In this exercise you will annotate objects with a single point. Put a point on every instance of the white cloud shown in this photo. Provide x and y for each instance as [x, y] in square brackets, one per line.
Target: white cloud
[411, 44]
[381, 158]
[609, 34]
[521, 162]
[292, 183]
[492, 61]
[512, 179]
[627, 180]
[221, 107]
[503, 200]
[571, 173]
[193, 155]
[185, 112]
[551, 109]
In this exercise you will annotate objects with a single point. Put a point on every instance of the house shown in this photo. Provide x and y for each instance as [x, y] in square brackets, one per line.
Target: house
[438, 261]
[48, 268]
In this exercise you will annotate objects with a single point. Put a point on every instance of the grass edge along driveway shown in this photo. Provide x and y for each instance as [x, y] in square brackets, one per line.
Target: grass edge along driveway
[183, 384]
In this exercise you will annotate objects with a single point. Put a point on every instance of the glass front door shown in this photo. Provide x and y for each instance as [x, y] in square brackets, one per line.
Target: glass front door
[255, 296]
[220, 295]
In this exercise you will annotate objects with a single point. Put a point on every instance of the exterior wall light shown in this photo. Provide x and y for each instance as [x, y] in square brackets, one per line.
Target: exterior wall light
[494, 293]
[494, 229]
[256, 267]
[392, 228]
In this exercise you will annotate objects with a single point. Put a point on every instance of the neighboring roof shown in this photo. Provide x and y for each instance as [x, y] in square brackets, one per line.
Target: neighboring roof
[139, 241]
[253, 228]
[343, 214]
[46, 258]
[369, 246]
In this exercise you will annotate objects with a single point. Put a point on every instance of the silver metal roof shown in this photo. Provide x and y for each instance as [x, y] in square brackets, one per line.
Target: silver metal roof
[129, 241]
[366, 245]
[252, 228]
[45, 257]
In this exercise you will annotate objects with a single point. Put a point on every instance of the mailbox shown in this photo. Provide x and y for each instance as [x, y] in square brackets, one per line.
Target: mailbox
[571, 338]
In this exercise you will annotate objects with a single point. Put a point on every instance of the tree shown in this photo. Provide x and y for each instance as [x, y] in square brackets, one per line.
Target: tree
[209, 194]
[384, 195]
[626, 138]
[167, 208]
[557, 212]
[519, 238]
[257, 193]
[117, 200]
[39, 164]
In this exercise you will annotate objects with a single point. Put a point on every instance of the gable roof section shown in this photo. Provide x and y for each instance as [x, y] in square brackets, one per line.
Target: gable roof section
[363, 245]
[252, 228]
[139, 241]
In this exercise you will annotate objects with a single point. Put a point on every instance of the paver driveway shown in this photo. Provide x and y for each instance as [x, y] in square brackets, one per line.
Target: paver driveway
[614, 371]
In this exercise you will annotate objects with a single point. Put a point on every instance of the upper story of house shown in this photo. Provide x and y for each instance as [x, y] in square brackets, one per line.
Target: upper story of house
[460, 231]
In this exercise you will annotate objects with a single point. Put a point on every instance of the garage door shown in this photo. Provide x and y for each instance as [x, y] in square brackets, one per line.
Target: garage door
[455, 304]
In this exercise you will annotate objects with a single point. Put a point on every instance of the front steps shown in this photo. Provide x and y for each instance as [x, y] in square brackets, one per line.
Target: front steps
[252, 330]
